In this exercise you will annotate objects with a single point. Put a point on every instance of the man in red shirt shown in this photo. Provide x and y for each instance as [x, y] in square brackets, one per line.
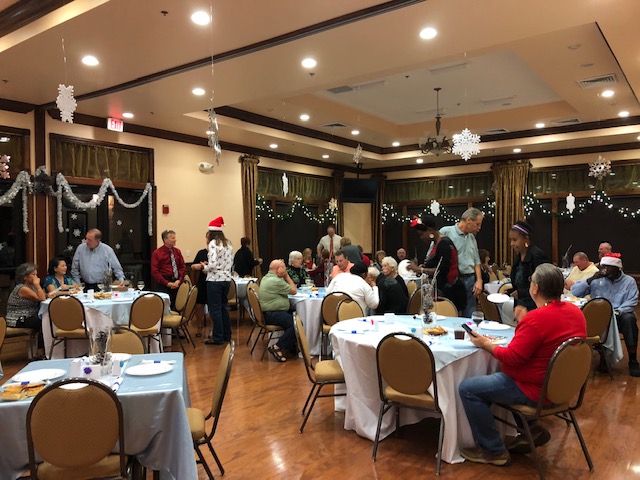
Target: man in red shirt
[168, 267]
[523, 365]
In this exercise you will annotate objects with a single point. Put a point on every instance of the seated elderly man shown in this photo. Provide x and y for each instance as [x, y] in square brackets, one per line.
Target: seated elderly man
[274, 302]
[622, 291]
[394, 296]
[523, 365]
[365, 292]
[343, 265]
[296, 270]
[583, 269]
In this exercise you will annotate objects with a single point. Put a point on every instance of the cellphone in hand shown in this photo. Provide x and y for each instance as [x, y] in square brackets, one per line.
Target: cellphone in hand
[469, 330]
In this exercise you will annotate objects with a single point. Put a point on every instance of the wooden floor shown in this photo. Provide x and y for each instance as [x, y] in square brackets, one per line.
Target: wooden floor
[258, 435]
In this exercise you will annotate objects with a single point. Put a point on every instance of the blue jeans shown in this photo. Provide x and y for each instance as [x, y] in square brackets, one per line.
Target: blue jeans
[477, 395]
[217, 302]
[469, 282]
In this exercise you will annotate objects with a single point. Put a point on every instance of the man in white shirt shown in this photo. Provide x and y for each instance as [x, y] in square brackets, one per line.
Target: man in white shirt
[582, 270]
[364, 292]
[330, 242]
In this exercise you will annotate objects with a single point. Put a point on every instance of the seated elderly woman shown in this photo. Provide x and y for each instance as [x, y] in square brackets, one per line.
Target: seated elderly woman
[393, 292]
[24, 302]
[58, 282]
[296, 269]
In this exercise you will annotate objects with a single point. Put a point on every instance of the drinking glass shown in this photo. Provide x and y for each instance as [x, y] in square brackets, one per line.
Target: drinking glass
[477, 317]
[140, 285]
[101, 287]
[309, 282]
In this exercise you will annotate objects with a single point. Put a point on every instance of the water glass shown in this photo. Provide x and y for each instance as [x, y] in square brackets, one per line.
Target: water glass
[477, 317]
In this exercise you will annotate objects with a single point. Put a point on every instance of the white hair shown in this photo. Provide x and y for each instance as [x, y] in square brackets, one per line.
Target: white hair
[391, 262]
[373, 271]
[295, 254]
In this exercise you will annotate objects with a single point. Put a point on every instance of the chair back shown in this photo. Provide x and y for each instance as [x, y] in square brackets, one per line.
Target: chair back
[256, 309]
[444, 306]
[66, 313]
[412, 286]
[252, 285]
[329, 306]
[182, 295]
[232, 296]
[415, 303]
[220, 387]
[492, 276]
[567, 373]
[3, 330]
[146, 311]
[500, 275]
[125, 340]
[303, 345]
[187, 280]
[347, 309]
[190, 307]
[598, 312]
[406, 364]
[489, 309]
[504, 287]
[72, 428]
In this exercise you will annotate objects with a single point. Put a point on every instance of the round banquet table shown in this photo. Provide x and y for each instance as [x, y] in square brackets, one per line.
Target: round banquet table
[309, 308]
[354, 343]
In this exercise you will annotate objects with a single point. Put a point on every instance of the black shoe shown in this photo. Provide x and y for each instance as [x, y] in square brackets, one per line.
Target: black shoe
[211, 341]
[634, 369]
[520, 444]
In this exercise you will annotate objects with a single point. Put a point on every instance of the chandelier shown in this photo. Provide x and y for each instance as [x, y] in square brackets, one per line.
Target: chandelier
[438, 144]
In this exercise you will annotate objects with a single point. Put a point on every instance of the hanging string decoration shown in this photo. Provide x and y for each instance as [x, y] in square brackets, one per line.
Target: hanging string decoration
[466, 144]
[285, 184]
[600, 168]
[333, 204]
[4, 167]
[532, 204]
[66, 103]
[435, 208]
[264, 210]
[213, 135]
[571, 203]
[64, 189]
[21, 183]
[357, 155]
[389, 212]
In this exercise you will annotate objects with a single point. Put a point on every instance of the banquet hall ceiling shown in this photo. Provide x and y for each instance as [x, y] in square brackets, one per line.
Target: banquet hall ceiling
[503, 66]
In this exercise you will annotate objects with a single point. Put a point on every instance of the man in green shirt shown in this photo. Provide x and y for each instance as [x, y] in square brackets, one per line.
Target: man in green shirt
[274, 302]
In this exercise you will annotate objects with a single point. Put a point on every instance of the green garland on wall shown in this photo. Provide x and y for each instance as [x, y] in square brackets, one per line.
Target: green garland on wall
[389, 212]
[531, 204]
[263, 209]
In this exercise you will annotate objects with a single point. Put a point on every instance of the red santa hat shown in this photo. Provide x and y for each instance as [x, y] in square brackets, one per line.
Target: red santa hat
[613, 259]
[216, 224]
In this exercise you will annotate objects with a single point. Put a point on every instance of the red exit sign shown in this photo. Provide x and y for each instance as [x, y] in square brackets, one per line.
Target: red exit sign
[115, 124]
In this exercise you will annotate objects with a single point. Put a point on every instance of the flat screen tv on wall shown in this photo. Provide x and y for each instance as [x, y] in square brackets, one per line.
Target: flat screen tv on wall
[359, 190]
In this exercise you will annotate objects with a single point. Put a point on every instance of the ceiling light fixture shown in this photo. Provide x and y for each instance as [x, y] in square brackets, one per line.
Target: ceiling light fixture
[355, 132]
[607, 94]
[419, 160]
[90, 60]
[517, 150]
[273, 145]
[623, 114]
[6, 139]
[209, 132]
[428, 33]
[198, 91]
[304, 117]
[325, 156]
[201, 18]
[127, 115]
[309, 63]
[539, 125]
[438, 144]
[395, 144]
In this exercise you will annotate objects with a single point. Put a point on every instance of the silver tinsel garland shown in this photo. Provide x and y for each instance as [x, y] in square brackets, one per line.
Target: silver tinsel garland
[22, 182]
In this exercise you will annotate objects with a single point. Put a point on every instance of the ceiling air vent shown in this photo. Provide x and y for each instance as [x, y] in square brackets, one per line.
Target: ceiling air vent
[566, 121]
[334, 125]
[600, 81]
[495, 131]
[341, 89]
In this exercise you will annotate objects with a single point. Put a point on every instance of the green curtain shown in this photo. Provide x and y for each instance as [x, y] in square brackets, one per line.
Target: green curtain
[249, 165]
[400, 191]
[576, 179]
[306, 187]
[75, 159]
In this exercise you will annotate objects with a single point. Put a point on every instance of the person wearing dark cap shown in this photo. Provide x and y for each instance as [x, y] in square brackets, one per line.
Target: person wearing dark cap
[365, 292]
[528, 257]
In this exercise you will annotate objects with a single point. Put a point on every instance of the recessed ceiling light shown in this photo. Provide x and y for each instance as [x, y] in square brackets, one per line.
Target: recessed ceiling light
[623, 114]
[198, 91]
[355, 132]
[637, 138]
[201, 18]
[607, 94]
[539, 125]
[273, 145]
[304, 117]
[127, 115]
[90, 60]
[419, 160]
[395, 144]
[450, 186]
[428, 33]
[517, 150]
[209, 132]
[325, 156]
[309, 63]
[4, 139]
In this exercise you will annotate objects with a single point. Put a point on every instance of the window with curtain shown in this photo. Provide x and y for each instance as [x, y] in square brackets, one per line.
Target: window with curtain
[310, 188]
[576, 179]
[400, 191]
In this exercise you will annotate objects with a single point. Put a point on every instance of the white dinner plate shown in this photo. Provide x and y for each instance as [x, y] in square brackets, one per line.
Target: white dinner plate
[145, 369]
[41, 375]
[403, 269]
[121, 357]
[498, 298]
[494, 326]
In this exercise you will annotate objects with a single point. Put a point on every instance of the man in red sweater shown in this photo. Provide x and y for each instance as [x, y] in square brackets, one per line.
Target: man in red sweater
[524, 364]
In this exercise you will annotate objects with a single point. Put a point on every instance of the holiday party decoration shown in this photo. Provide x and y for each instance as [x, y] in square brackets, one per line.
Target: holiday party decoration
[4, 167]
[66, 103]
[435, 208]
[466, 144]
[571, 203]
[22, 182]
[213, 135]
[600, 168]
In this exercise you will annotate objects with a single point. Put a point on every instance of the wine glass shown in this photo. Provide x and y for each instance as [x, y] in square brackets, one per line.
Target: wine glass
[477, 317]
[140, 285]
[100, 286]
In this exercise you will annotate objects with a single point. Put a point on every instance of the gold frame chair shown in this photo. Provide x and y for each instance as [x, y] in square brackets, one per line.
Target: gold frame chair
[598, 312]
[412, 286]
[256, 288]
[328, 310]
[406, 370]
[444, 306]
[256, 311]
[67, 321]
[489, 309]
[504, 287]
[415, 303]
[145, 318]
[178, 322]
[197, 418]
[348, 309]
[325, 372]
[126, 340]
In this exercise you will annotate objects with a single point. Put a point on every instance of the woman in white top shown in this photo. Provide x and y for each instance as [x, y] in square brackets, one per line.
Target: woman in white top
[218, 270]
[364, 292]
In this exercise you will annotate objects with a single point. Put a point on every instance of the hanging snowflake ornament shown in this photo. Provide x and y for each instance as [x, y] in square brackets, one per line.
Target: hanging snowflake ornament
[4, 167]
[119, 222]
[600, 168]
[333, 204]
[70, 247]
[213, 135]
[66, 103]
[571, 203]
[117, 246]
[357, 156]
[74, 216]
[285, 184]
[435, 208]
[466, 144]
[76, 232]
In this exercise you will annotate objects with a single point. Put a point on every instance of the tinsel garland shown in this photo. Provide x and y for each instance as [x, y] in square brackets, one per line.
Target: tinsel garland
[65, 189]
[22, 182]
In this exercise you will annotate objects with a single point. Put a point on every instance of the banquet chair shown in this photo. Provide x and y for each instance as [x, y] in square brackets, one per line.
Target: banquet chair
[17, 335]
[67, 321]
[264, 329]
[197, 418]
[489, 309]
[187, 280]
[406, 370]
[444, 306]
[181, 298]
[505, 287]
[328, 315]
[412, 286]
[252, 285]
[492, 276]
[3, 331]
[324, 372]
[145, 318]
[415, 303]
[81, 448]
[562, 393]
[178, 323]
[348, 309]
[598, 313]
[126, 340]
[232, 296]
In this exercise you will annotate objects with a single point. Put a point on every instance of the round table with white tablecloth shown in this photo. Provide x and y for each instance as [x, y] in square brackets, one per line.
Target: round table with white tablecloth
[308, 305]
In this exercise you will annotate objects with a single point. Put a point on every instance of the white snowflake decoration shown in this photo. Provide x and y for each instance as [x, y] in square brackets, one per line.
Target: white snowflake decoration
[466, 144]
[435, 208]
[600, 168]
[213, 135]
[74, 216]
[66, 230]
[66, 103]
[119, 222]
[76, 232]
[571, 203]
[357, 156]
[4, 167]
[333, 204]
[285, 184]
[131, 230]
[117, 246]
[69, 247]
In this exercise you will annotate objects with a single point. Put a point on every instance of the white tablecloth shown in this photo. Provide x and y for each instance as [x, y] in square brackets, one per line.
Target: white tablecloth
[455, 361]
[155, 421]
[114, 311]
[309, 307]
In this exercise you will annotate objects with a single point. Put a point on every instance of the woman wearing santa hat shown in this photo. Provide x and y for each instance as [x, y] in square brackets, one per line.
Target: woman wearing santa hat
[218, 270]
